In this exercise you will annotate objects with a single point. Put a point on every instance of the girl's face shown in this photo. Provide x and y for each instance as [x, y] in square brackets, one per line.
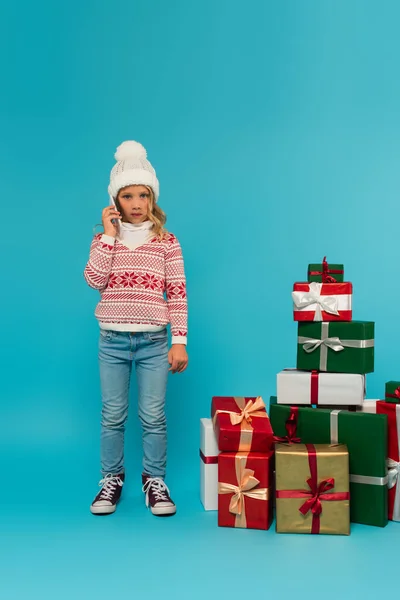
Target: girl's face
[134, 203]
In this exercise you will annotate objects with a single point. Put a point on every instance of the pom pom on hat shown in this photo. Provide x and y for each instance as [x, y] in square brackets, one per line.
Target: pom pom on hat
[132, 168]
[130, 149]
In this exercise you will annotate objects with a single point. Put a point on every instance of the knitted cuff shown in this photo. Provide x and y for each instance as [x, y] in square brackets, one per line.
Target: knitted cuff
[179, 339]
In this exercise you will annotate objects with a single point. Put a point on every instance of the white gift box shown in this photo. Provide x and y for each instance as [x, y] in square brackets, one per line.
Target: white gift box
[334, 389]
[208, 465]
[368, 406]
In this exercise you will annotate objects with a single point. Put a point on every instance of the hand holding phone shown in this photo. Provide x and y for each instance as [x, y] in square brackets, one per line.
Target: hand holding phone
[111, 218]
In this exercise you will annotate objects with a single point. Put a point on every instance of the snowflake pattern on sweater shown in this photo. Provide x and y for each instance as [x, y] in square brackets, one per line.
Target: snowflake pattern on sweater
[145, 286]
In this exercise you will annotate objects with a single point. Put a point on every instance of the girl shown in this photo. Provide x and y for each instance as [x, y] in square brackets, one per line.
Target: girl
[133, 264]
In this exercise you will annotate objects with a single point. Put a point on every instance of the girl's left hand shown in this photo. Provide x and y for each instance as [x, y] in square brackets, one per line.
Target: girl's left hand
[178, 358]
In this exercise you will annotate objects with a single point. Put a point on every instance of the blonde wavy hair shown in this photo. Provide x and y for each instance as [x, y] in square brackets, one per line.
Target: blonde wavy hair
[155, 214]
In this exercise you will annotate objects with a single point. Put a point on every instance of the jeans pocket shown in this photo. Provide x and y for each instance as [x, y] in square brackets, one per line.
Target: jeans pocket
[157, 336]
[106, 335]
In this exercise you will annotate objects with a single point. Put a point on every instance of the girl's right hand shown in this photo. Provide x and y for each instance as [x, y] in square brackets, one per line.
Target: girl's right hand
[109, 213]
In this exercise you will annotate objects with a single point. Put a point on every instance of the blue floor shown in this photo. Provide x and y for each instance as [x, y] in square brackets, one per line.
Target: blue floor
[53, 548]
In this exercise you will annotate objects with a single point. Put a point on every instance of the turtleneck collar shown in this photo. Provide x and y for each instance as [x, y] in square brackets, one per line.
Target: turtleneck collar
[133, 227]
[134, 235]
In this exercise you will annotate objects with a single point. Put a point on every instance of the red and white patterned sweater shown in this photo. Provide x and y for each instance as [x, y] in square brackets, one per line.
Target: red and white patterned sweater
[132, 284]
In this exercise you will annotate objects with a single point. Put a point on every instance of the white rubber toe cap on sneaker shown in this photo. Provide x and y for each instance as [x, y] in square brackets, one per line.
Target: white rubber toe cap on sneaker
[163, 508]
[102, 507]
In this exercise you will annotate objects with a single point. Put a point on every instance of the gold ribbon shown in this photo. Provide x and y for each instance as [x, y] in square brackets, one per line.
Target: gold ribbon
[246, 412]
[244, 419]
[245, 487]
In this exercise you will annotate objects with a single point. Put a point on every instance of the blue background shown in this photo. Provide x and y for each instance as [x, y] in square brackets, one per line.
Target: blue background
[274, 128]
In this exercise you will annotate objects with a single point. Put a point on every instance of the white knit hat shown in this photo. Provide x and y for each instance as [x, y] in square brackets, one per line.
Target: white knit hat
[132, 168]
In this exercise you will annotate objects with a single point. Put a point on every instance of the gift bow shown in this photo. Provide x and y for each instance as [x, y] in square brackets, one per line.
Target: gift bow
[251, 407]
[314, 503]
[291, 428]
[393, 472]
[336, 344]
[243, 418]
[396, 394]
[327, 342]
[331, 342]
[318, 491]
[326, 278]
[246, 484]
[328, 304]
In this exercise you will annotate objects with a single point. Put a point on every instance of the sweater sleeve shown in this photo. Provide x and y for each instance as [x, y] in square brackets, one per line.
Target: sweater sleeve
[98, 268]
[176, 291]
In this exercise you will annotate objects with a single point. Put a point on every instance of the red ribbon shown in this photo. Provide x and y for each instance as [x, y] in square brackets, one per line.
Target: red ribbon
[317, 493]
[314, 387]
[208, 460]
[326, 278]
[291, 428]
[396, 394]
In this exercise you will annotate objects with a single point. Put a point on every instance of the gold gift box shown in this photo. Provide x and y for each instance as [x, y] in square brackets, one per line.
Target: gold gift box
[313, 477]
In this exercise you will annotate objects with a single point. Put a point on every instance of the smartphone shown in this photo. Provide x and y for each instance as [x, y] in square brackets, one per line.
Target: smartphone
[115, 222]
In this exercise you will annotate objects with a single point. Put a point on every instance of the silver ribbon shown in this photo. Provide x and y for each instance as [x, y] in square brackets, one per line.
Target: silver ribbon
[335, 427]
[367, 479]
[313, 296]
[394, 471]
[334, 343]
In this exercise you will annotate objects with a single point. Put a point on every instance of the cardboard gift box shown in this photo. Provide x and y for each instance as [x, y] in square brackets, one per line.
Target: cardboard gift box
[312, 488]
[365, 436]
[392, 412]
[325, 273]
[322, 301]
[314, 388]
[241, 424]
[341, 347]
[392, 391]
[208, 465]
[245, 490]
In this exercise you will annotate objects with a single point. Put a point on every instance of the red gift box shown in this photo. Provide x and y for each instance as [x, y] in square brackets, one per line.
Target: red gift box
[245, 490]
[393, 413]
[322, 301]
[241, 424]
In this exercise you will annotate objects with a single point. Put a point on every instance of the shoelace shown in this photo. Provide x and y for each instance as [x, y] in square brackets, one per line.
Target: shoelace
[109, 484]
[159, 489]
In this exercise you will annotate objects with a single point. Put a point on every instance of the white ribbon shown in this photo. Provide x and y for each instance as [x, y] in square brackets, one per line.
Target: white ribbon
[328, 304]
[394, 471]
[334, 343]
[334, 426]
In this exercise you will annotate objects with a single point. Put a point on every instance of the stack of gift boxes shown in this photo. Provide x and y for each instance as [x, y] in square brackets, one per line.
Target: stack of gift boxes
[389, 408]
[334, 354]
[330, 445]
[240, 435]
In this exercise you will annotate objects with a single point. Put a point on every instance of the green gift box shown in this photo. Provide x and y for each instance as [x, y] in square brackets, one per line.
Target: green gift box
[325, 273]
[336, 347]
[366, 438]
[392, 392]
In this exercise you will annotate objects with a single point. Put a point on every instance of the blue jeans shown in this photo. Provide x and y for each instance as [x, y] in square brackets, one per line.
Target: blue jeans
[117, 352]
